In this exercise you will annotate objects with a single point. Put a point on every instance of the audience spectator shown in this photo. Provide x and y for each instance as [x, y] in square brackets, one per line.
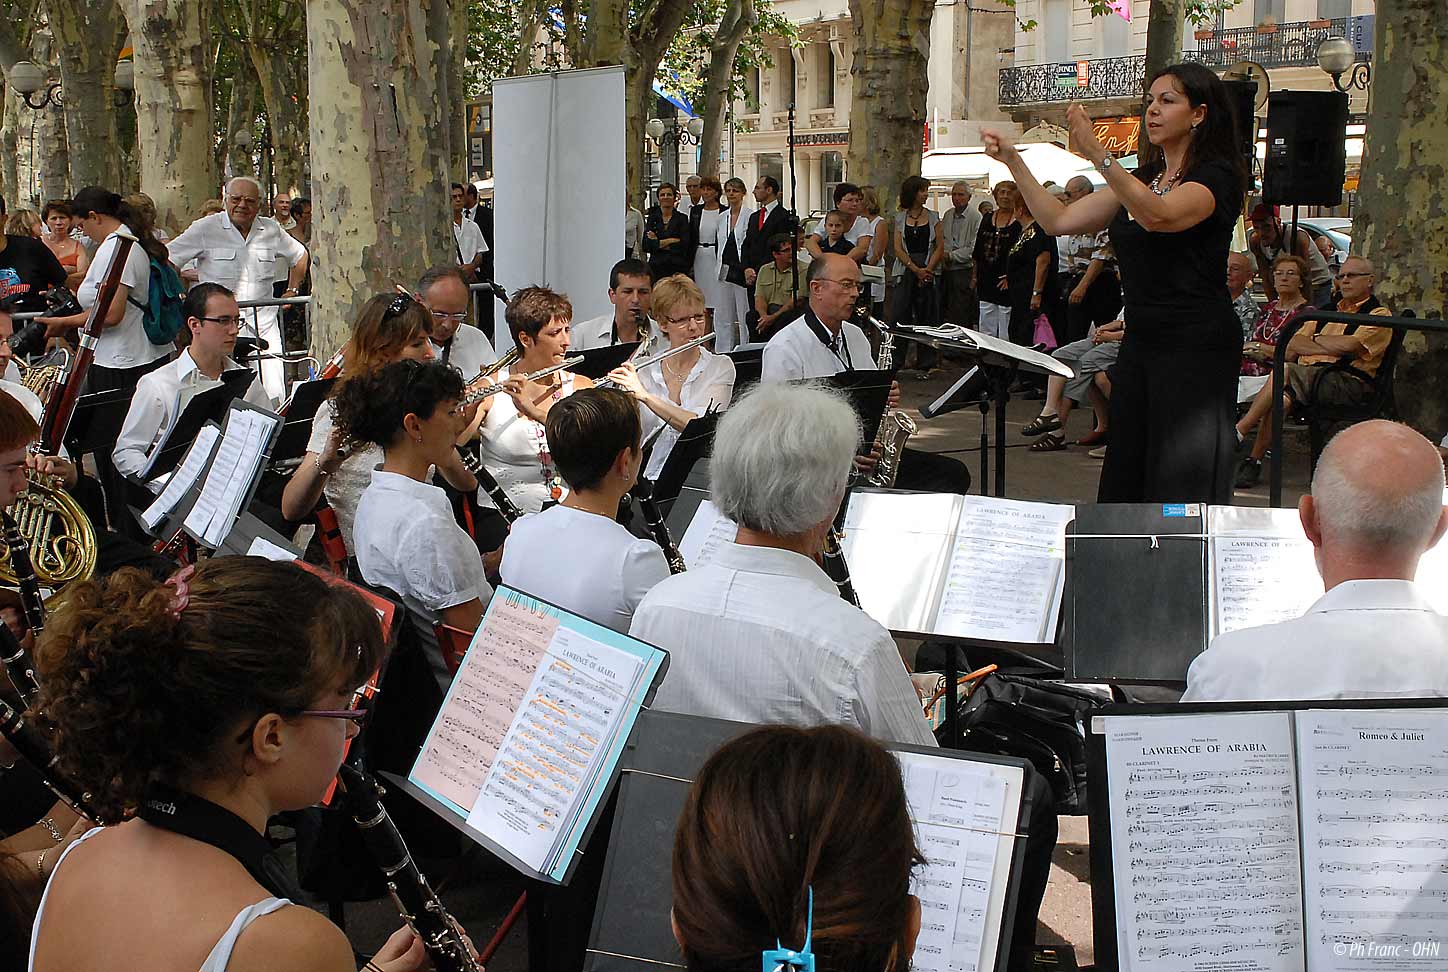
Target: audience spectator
[958, 229]
[993, 243]
[633, 233]
[281, 210]
[1266, 242]
[210, 208]
[779, 291]
[693, 193]
[27, 269]
[301, 229]
[769, 219]
[856, 228]
[1030, 266]
[731, 316]
[666, 235]
[1089, 289]
[879, 231]
[1311, 355]
[1289, 274]
[145, 207]
[704, 219]
[919, 250]
[1375, 508]
[24, 222]
[71, 255]
[833, 240]
[467, 237]
[1089, 358]
[1240, 273]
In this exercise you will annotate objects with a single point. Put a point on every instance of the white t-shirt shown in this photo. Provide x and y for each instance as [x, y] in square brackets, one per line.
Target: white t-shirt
[123, 345]
[582, 562]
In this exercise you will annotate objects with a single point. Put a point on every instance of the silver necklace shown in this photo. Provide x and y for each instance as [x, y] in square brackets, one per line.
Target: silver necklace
[1156, 183]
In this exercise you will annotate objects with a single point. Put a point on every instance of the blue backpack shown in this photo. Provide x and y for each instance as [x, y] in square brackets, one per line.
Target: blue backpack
[161, 314]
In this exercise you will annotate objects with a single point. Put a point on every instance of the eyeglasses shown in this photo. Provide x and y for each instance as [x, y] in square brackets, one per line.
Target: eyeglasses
[1343, 275]
[696, 318]
[358, 715]
[244, 201]
[231, 323]
[851, 285]
[458, 317]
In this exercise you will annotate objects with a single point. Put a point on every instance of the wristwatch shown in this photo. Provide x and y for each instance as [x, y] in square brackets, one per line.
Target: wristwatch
[1105, 164]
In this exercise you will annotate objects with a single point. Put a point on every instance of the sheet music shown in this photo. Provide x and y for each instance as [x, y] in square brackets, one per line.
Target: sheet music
[1262, 567]
[1204, 833]
[1375, 847]
[896, 546]
[965, 815]
[183, 478]
[555, 746]
[1004, 348]
[232, 472]
[708, 531]
[262, 547]
[485, 693]
[1006, 571]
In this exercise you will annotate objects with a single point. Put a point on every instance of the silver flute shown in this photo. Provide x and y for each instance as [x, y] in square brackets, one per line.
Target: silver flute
[488, 391]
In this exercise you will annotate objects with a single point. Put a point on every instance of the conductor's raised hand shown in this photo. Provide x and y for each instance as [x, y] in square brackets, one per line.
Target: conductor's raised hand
[999, 146]
[1083, 133]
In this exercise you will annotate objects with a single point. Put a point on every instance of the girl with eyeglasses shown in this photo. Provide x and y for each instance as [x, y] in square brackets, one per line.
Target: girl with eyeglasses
[391, 327]
[193, 711]
[676, 390]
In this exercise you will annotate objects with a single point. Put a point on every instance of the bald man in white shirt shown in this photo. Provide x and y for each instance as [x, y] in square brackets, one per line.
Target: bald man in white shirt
[1375, 509]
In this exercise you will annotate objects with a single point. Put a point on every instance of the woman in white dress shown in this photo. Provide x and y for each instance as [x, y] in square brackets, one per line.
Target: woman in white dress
[513, 439]
[676, 390]
[704, 222]
[732, 311]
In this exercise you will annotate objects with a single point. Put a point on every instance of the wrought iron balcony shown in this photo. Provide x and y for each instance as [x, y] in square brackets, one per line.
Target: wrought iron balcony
[1285, 45]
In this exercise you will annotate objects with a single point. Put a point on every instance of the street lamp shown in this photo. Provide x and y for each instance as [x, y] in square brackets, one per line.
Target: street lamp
[29, 80]
[1336, 57]
[672, 133]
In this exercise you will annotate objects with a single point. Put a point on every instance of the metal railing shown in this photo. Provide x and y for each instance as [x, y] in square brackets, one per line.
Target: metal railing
[1283, 45]
[1279, 358]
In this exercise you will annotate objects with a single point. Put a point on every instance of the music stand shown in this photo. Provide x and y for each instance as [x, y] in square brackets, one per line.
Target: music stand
[208, 406]
[598, 362]
[868, 392]
[1001, 361]
[176, 523]
[249, 528]
[695, 442]
[96, 424]
[748, 364]
[297, 423]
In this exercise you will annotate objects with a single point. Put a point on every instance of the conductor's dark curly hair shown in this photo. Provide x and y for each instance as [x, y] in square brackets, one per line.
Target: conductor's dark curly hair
[371, 407]
[138, 693]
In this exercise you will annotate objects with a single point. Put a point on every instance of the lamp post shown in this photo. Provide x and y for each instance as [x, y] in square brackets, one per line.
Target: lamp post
[1336, 57]
[29, 80]
[672, 133]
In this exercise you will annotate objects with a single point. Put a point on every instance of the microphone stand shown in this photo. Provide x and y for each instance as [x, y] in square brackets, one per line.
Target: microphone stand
[793, 207]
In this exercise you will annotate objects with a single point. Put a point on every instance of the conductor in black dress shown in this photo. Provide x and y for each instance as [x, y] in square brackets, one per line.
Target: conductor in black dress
[1174, 387]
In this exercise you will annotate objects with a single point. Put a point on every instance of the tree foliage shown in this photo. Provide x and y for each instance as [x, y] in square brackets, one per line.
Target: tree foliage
[686, 63]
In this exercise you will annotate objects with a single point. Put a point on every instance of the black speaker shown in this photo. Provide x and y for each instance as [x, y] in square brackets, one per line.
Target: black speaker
[1306, 151]
[1243, 97]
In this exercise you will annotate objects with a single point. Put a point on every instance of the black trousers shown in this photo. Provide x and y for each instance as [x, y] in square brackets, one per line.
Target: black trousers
[933, 473]
[1173, 424]
[1100, 306]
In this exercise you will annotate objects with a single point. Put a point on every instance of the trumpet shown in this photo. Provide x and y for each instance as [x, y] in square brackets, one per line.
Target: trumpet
[488, 391]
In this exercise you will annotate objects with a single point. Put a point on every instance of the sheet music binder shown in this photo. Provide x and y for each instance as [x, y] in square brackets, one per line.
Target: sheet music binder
[631, 930]
[1105, 919]
[208, 406]
[297, 428]
[654, 662]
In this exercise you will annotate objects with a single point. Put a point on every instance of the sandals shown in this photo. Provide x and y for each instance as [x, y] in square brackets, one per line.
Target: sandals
[1095, 437]
[1041, 425]
[1049, 442]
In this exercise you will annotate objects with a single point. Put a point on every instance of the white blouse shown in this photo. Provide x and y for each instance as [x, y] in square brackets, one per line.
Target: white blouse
[344, 487]
[710, 384]
[510, 445]
[582, 562]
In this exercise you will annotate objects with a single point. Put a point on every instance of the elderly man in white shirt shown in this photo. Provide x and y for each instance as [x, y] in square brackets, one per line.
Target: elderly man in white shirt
[1375, 509]
[212, 322]
[455, 342]
[630, 291]
[760, 633]
[239, 249]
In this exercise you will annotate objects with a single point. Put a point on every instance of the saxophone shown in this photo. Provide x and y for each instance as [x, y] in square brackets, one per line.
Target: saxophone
[895, 427]
[418, 904]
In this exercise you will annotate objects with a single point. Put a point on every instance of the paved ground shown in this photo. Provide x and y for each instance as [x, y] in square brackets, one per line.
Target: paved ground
[480, 891]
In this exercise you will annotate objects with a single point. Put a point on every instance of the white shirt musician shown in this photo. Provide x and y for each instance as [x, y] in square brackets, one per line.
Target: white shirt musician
[239, 249]
[760, 633]
[823, 342]
[212, 321]
[630, 290]
[454, 341]
[512, 440]
[576, 554]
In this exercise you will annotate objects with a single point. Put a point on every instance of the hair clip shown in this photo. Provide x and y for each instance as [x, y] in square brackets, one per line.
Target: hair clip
[781, 959]
[181, 581]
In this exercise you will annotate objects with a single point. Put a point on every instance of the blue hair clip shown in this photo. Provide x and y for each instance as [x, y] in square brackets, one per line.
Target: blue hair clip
[781, 959]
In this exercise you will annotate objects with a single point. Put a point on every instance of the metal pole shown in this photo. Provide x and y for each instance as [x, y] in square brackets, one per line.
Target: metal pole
[793, 203]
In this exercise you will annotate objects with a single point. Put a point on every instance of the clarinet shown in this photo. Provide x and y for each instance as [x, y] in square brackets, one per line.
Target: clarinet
[19, 666]
[28, 737]
[24, 571]
[491, 486]
[658, 529]
[415, 900]
[834, 559]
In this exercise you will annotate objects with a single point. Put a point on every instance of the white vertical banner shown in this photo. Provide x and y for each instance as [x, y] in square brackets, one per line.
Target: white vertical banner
[559, 196]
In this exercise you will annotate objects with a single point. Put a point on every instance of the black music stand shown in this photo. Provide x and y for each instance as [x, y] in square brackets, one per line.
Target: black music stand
[748, 365]
[868, 392]
[176, 523]
[631, 931]
[1001, 360]
[208, 406]
[1136, 605]
[246, 530]
[96, 424]
[598, 362]
[297, 423]
[694, 443]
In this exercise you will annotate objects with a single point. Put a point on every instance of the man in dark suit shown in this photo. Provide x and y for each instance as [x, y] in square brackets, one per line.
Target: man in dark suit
[482, 214]
[770, 218]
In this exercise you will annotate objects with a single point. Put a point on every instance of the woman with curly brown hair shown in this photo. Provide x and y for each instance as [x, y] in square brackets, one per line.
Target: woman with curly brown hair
[193, 711]
[776, 848]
